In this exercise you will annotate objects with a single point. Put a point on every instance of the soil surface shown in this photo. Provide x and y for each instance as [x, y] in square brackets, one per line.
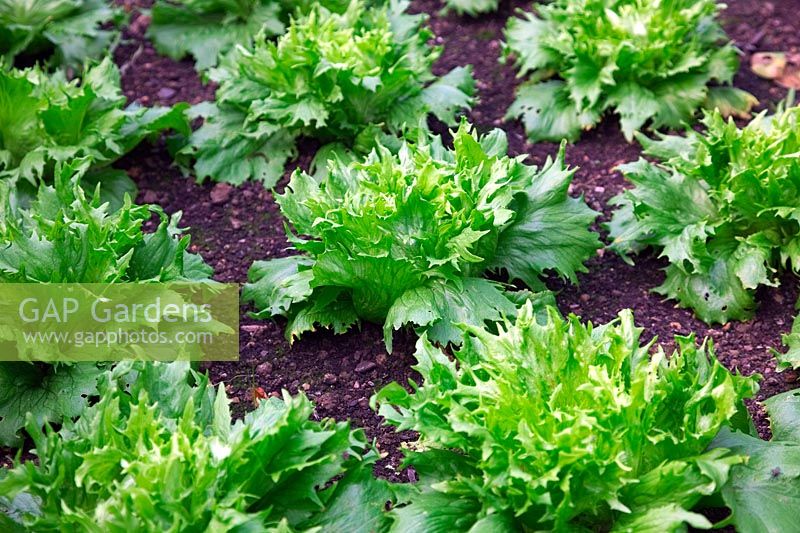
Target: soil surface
[232, 227]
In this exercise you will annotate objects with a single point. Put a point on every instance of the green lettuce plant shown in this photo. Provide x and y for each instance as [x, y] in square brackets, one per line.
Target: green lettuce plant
[645, 60]
[60, 32]
[209, 29]
[721, 206]
[554, 425]
[68, 235]
[336, 77]
[404, 238]
[163, 454]
[46, 119]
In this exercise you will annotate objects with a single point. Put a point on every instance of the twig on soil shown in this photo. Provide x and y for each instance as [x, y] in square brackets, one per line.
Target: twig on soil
[124, 68]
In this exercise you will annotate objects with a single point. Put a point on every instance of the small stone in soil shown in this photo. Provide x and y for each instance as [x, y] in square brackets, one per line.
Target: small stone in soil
[264, 369]
[220, 193]
[166, 93]
[365, 366]
[149, 197]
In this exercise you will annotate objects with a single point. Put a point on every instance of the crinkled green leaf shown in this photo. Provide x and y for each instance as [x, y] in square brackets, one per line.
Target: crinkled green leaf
[402, 238]
[555, 425]
[716, 295]
[550, 230]
[329, 309]
[438, 306]
[763, 494]
[649, 61]
[160, 454]
[334, 76]
[720, 205]
[279, 284]
[547, 112]
[48, 392]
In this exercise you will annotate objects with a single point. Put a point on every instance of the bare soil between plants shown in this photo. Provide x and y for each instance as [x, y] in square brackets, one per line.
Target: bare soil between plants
[232, 227]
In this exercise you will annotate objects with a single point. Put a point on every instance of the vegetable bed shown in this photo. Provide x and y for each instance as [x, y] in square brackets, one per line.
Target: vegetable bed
[231, 227]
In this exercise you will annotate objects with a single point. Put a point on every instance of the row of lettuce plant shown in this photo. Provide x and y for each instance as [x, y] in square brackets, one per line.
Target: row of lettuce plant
[340, 71]
[547, 424]
[343, 73]
[67, 216]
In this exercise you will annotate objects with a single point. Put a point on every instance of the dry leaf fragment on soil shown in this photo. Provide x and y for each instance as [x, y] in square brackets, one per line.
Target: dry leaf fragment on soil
[782, 67]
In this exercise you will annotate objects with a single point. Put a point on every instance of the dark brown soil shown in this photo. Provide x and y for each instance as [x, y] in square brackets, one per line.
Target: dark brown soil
[233, 227]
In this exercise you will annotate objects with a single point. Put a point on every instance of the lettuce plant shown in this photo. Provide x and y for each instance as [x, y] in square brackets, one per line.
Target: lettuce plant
[553, 425]
[67, 235]
[162, 454]
[645, 60]
[45, 119]
[721, 206]
[62, 32]
[334, 77]
[209, 29]
[405, 238]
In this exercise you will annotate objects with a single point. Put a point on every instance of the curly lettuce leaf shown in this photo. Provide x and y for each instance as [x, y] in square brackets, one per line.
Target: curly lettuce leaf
[336, 77]
[402, 238]
[550, 231]
[648, 62]
[552, 424]
[438, 306]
